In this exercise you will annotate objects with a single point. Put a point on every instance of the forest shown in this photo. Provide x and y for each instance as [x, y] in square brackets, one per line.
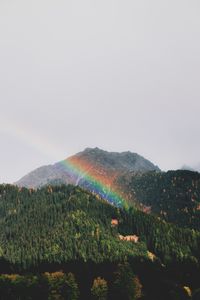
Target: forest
[174, 196]
[62, 242]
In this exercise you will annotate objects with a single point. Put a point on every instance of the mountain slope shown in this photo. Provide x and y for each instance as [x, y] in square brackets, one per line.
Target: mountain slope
[64, 223]
[58, 225]
[174, 196]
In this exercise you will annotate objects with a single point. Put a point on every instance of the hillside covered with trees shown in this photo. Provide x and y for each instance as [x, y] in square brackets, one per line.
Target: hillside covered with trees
[62, 240]
[174, 196]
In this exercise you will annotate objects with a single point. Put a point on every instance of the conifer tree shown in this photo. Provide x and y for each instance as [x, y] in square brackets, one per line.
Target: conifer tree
[99, 289]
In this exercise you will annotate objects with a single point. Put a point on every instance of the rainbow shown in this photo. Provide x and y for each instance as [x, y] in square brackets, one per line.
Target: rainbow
[30, 137]
[78, 168]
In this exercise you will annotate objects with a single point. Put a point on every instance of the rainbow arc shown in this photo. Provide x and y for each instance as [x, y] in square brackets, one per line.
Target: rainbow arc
[84, 172]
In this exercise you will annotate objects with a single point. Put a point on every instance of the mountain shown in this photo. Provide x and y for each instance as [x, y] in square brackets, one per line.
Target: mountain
[127, 179]
[93, 169]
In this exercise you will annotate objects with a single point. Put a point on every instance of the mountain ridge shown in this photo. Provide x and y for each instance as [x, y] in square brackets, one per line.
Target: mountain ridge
[108, 162]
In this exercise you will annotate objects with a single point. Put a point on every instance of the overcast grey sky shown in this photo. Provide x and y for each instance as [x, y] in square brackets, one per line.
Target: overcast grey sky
[120, 75]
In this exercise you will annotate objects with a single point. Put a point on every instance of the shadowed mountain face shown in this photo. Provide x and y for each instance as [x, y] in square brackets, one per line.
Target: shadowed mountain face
[173, 196]
[89, 165]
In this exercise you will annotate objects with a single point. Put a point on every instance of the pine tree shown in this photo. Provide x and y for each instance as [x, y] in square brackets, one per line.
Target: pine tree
[99, 289]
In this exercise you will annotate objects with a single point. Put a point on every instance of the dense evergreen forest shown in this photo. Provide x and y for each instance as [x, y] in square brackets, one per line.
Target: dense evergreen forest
[61, 242]
[174, 196]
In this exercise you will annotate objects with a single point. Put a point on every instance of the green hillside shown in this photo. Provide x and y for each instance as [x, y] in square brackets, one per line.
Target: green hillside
[58, 224]
[66, 228]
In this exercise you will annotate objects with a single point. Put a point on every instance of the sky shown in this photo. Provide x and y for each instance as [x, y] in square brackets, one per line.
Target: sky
[118, 75]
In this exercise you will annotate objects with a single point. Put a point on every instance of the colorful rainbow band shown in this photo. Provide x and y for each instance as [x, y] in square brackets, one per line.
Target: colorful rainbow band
[82, 170]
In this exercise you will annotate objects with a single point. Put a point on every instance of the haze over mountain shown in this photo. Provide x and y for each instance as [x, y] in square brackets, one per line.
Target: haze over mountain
[195, 167]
